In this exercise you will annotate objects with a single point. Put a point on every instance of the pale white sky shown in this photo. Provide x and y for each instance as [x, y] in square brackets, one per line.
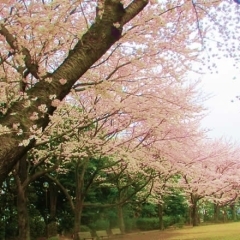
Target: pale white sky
[224, 107]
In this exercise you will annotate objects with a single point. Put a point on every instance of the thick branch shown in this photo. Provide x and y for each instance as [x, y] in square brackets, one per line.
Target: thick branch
[90, 48]
[31, 67]
[133, 10]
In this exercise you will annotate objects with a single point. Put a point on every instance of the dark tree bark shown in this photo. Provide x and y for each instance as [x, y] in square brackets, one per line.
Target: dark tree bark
[90, 48]
[80, 196]
[20, 175]
[216, 212]
[52, 224]
[53, 201]
[194, 210]
[160, 216]
[23, 219]
[23, 178]
[194, 214]
[233, 210]
[190, 215]
[121, 218]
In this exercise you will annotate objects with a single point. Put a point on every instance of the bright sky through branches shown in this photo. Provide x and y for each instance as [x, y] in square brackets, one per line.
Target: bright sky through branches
[223, 83]
[224, 107]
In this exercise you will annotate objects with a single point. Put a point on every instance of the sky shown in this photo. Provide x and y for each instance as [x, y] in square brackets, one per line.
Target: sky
[223, 106]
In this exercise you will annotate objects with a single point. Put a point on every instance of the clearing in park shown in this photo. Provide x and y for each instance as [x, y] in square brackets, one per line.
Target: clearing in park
[227, 231]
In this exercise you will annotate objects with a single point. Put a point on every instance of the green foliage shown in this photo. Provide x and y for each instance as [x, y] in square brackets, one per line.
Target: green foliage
[146, 224]
[100, 224]
[11, 226]
[175, 205]
[112, 217]
[168, 221]
[37, 226]
[181, 222]
[149, 210]
[52, 229]
[8, 210]
[66, 219]
[54, 238]
[2, 229]
[130, 224]
[84, 228]
[173, 220]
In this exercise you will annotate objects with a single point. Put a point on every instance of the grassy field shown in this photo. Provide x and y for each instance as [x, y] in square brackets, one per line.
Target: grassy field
[228, 231]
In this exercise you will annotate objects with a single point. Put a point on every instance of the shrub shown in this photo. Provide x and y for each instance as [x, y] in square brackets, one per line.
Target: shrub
[146, 224]
[100, 224]
[66, 222]
[149, 210]
[37, 227]
[11, 226]
[168, 221]
[54, 238]
[113, 218]
[130, 224]
[181, 221]
[84, 228]
[52, 229]
[2, 229]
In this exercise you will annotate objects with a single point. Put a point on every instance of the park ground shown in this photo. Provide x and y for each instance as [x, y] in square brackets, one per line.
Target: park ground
[227, 231]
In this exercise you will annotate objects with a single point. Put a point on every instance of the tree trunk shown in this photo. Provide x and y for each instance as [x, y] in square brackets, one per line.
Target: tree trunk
[23, 220]
[160, 216]
[77, 218]
[216, 213]
[53, 201]
[121, 218]
[233, 210]
[20, 175]
[194, 214]
[190, 215]
[51, 221]
[225, 218]
[52, 224]
[79, 174]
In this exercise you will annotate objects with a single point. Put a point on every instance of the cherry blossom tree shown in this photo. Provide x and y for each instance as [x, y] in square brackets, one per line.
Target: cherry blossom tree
[119, 124]
[50, 47]
[27, 170]
[227, 191]
[200, 179]
[164, 183]
[40, 77]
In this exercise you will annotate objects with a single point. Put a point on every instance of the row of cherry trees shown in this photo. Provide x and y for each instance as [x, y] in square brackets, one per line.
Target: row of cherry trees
[81, 179]
[134, 150]
[101, 90]
[50, 48]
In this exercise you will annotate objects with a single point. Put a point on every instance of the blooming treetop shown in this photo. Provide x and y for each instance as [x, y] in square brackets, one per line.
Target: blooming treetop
[50, 47]
[213, 172]
[122, 124]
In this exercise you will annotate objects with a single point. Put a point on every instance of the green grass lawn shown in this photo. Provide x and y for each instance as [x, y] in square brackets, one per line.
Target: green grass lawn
[228, 231]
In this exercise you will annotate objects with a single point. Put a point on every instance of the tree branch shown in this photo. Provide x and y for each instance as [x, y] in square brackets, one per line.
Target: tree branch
[90, 48]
